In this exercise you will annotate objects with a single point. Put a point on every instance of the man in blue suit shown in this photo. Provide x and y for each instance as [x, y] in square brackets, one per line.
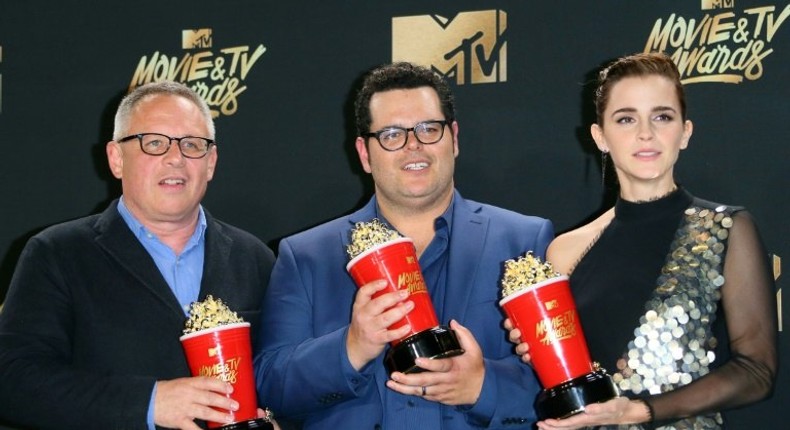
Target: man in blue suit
[323, 339]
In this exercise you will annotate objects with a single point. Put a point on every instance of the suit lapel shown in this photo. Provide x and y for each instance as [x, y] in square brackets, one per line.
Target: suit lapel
[115, 237]
[216, 260]
[468, 235]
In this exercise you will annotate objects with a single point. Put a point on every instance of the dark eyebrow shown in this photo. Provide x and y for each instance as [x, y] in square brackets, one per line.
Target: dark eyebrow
[655, 109]
[404, 127]
[623, 110]
[663, 109]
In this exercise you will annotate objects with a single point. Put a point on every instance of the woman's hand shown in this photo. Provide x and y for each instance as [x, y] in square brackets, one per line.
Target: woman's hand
[620, 410]
[514, 335]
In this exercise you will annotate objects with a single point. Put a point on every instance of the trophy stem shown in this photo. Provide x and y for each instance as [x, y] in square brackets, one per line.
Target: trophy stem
[258, 423]
[437, 342]
[571, 397]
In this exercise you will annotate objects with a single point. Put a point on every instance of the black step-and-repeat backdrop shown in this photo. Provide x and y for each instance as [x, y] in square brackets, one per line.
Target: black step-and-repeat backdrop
[280, 77]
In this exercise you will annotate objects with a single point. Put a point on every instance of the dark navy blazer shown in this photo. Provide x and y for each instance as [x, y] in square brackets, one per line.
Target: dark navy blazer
[90, 324]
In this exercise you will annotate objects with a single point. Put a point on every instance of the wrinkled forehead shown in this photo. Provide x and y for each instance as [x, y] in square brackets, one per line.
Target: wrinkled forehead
[156, 113]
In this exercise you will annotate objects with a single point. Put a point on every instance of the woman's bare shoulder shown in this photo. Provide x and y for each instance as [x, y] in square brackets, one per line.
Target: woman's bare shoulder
[568, 248]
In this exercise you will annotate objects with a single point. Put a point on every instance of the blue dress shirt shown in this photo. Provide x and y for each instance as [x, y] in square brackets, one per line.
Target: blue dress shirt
[413, 412]
[183, 273]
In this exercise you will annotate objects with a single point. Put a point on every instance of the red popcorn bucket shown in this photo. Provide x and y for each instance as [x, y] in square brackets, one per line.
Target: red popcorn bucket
[545, 313]
[224, 352]
[396, 262]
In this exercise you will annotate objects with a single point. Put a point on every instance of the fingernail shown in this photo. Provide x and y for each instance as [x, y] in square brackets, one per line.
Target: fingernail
[403, 294]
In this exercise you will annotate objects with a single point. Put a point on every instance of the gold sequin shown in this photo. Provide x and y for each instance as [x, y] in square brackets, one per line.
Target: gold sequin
[673, 344]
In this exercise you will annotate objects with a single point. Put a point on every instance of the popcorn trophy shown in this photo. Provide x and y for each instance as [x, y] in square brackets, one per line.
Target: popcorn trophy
[378, 252]
[217, 344]
[539, 303]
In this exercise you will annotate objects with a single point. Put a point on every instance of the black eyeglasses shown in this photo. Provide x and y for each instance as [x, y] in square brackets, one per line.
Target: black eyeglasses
[159, 144]
[395, 138]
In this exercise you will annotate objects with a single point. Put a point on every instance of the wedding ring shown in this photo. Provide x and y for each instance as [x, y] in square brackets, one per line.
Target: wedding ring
[423, 391]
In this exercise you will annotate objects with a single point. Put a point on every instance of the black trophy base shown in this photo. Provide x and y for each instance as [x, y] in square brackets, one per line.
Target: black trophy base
[438, 342]
[258, 423]
[570, 397]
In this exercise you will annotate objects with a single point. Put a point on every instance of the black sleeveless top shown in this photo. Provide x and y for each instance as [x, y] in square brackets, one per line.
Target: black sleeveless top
[648, 294]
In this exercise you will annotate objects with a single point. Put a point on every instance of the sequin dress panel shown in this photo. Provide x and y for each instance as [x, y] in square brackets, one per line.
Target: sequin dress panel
[667, 254]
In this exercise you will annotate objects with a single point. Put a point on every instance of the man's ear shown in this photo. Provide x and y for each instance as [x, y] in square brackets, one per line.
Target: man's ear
[115, 158]
[212, 162]
[456, 148]
[362, 152]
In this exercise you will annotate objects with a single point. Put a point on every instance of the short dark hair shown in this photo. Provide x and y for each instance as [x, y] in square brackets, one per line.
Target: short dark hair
[641, 64]
[398, 76]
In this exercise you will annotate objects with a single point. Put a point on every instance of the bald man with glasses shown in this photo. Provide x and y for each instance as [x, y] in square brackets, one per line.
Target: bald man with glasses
[89, 334]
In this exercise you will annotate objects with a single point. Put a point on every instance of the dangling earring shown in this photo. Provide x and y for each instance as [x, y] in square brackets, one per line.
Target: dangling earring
[604, 157]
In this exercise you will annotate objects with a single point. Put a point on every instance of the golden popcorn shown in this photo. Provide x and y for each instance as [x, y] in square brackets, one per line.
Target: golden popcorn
[524, 272]
[366, 235]
[209, 313]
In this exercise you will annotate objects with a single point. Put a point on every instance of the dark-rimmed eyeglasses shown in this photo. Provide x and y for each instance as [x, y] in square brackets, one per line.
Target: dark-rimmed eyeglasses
[159, 144]
[395, 138]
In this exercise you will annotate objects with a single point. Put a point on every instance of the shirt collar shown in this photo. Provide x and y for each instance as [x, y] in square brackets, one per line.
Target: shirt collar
[140, 231]
[444, 219]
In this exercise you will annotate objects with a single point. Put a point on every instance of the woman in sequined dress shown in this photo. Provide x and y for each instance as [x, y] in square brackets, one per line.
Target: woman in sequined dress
[674, 293]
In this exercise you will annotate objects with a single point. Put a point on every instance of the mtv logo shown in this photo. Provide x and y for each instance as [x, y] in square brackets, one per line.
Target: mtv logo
[717, 4]
[470, 47]
[551, 304]
[200, 38]
[212, 352]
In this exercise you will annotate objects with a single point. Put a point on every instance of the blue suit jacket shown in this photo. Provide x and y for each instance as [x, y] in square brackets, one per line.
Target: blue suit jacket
[302, 368]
